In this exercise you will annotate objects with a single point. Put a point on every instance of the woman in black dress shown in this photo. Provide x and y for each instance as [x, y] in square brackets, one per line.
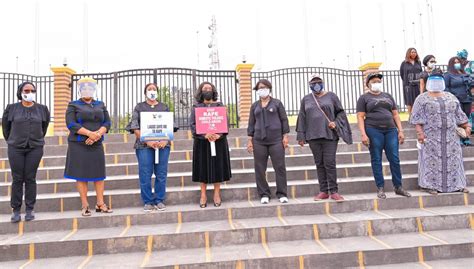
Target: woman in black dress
[24, 125]
[208, 169]
[410, 72]
[87, 120]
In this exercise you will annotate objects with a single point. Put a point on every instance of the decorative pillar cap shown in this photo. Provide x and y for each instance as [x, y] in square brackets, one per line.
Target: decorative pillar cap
[63, 69]
[373, 65]
[244, 67]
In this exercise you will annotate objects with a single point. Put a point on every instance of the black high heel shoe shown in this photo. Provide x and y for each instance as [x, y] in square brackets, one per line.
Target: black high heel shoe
[202, 205]
[217, 204]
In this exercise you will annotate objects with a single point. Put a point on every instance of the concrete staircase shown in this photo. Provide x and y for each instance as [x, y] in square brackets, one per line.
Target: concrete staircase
[423, 231]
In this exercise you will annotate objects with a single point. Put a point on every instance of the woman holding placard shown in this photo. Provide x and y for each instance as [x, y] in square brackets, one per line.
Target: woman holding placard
[145, 152]
[209, 167]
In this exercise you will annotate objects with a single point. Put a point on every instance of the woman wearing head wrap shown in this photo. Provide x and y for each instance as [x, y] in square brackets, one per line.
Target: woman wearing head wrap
[87, 120]
[24, 125]
[145, 152]
[436, 115]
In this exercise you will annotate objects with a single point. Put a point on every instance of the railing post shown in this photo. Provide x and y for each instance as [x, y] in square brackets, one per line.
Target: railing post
[62, 97]
[367, 69]
[116, 111]
[245, 93]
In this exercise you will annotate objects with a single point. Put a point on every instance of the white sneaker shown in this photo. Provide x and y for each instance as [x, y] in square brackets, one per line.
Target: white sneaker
[265, 200]
[283, 200]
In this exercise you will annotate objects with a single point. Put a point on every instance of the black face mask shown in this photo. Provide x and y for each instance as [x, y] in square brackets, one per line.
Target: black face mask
[207, 95]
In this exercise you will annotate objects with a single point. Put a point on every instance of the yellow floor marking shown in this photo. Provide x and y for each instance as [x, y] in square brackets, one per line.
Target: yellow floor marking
[360, 257]
[60, 141]
[316, 238]
[376, 209]
[421, 258]
[180, 222]
[41, 164]
[105, 148]
[305, 174]
[280, 216]
[471, 221]
[422, 232]
[9, 191]
[188, 156]
[208, 247]
[353, 158]
[61, 205]
[126, 170]
[229, 216]
[371, 235]
[190, 135]
[47, 174]
[240, 265]
[243, 164]
[422, 207]
[32, 256]
[359, 147]
[328, 213]
[172, 149]
[384, 170]
[237, 142]
[301, 262]
[6, 176]
[182, 182]
[4, 164]
[90, 252]
[347, 172]
[176, 266]
[264, 242]
[248, 195]
[55, 188]
[125, 138]
[128, 224]
[466, 200]
[293, 194]
[292, 151]
[149, 247]
[115, 159]
[73, 231]
[110, 201]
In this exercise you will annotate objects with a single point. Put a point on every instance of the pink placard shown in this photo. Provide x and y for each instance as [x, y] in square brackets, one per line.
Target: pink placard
[211, 120]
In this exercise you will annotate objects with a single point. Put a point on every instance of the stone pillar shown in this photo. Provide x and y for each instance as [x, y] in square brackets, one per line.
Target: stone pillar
[367, 69]
[245, 93]
[62, 96]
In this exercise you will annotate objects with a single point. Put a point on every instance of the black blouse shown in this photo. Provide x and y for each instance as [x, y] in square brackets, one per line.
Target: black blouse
[90, 116]
[25, 127]
[267, 125]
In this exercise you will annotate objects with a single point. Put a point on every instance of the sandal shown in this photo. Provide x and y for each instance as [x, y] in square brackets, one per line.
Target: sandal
[465, 190]
[201, 204]
[86, 212]
[103, 208]
[433, 192]
[217, 204]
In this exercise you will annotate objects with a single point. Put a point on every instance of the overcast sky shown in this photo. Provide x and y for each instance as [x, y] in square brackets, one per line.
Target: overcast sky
[271, 34]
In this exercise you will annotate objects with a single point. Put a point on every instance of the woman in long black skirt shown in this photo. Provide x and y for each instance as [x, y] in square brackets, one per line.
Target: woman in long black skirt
[209, 169]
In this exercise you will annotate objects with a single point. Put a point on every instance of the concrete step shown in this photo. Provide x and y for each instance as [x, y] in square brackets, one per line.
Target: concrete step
[295, 171]
[332, 237]
[61, 201]
[251, 208]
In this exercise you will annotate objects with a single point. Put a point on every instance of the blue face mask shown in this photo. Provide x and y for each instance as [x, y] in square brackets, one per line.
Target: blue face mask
[317, 87]
[457, 66]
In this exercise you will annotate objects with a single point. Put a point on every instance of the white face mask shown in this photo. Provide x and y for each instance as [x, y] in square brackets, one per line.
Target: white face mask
[28, 97]
[152, 95]
[431, 65]
[263, 92]
[376, 87]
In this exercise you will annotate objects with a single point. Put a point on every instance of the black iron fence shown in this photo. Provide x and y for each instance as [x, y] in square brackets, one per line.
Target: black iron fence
[9, 84]
[121, 91]
[291, 85]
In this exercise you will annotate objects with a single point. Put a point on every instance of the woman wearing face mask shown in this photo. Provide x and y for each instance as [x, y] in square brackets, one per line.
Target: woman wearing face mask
[430, 67]
[24, 125]
[467, 65]
[381, 129]
[145, 152]
[268, 136]
[410, 71]
[436, 114]
[87, 120]
[460, 84]
[320, 115]
[209, 169]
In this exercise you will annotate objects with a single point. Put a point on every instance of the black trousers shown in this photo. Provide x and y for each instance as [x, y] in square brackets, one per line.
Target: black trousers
[324, 153]
[260, 158]
[24, 164]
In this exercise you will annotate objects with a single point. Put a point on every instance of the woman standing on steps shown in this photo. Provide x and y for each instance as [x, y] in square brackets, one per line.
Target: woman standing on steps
[436, 115]
[268, 136]
[145, 152]
[410, 71]
[87, 120]
[321, 121]
[381, 129]
[24, 125]
[209, 169]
